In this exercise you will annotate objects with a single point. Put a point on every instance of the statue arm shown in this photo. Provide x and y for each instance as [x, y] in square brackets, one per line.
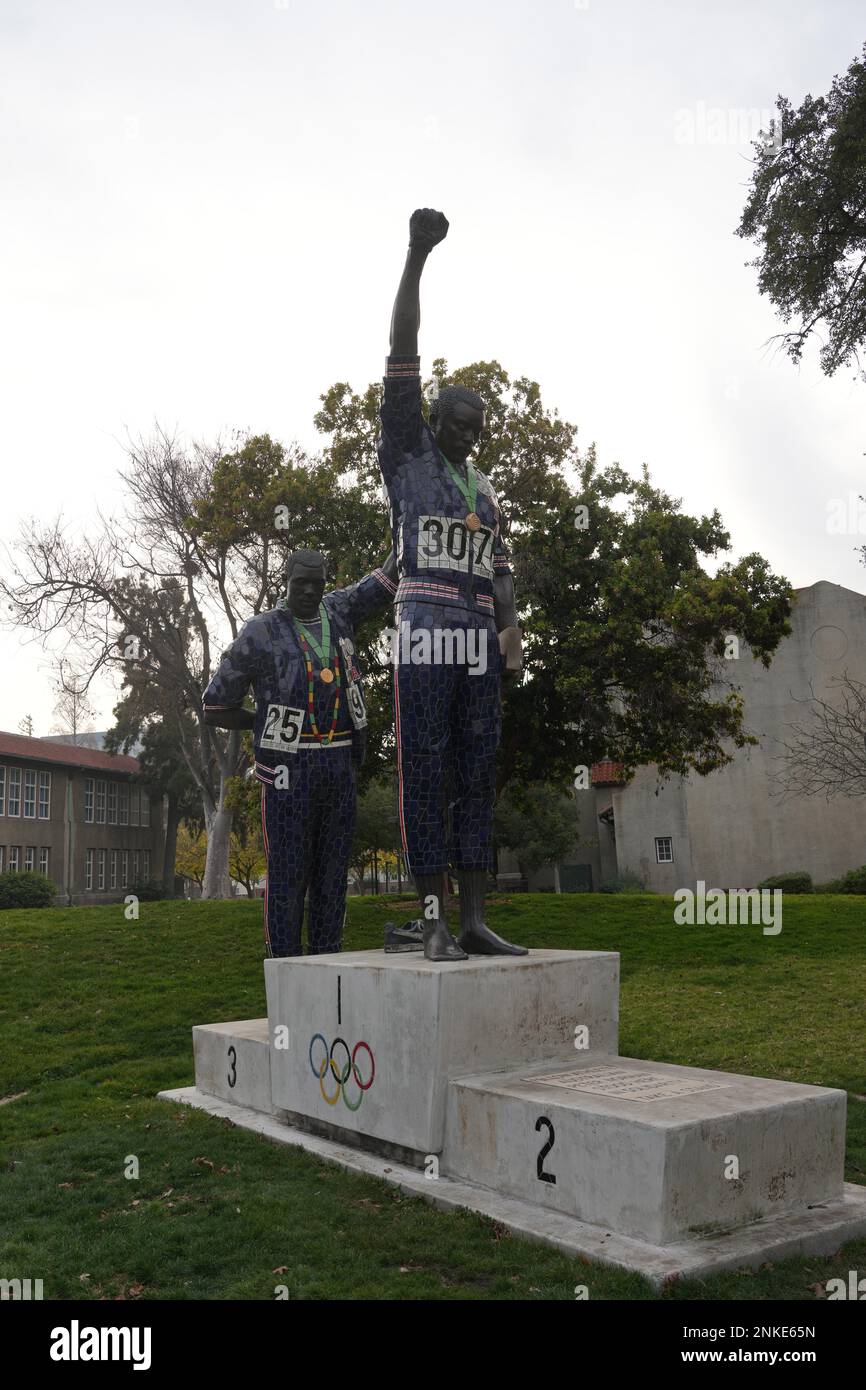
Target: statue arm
[426, 229]
[222, 702]
[229, 716]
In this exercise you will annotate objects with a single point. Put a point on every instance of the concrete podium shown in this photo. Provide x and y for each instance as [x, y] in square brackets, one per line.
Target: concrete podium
[496, 1084]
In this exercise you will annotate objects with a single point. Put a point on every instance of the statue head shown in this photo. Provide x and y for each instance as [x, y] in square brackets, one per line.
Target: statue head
[457, 419]
[306, 572]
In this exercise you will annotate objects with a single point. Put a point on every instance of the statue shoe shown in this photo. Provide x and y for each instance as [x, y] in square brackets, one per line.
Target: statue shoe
[439, 944]
[408, 936]
[479, 940]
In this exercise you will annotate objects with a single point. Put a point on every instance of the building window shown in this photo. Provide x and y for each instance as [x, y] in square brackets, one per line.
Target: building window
[45, 796]
[112, 803]
[88, 798]
[14, 804]
[14, 858]
[133, 805]
[2, 791]
[30, 859]
[113, 879]
[43, 860]
[124, 868]
[145, 809]
[29, 794]
[664, 849]
[123, 793]
[103, 857]
[145, 865]
[88, 870]
[100, 803]
[136, 867]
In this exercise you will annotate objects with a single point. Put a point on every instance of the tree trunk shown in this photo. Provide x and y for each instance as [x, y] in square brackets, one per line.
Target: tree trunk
[172, 824]
[217, 881]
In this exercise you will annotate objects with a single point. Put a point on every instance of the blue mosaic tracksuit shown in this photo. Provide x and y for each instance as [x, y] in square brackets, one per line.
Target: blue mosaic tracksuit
[448, 718]
[308, 791]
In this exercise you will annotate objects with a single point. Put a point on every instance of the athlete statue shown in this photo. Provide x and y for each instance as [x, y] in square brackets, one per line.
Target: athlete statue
[455, 585]
[309, 733]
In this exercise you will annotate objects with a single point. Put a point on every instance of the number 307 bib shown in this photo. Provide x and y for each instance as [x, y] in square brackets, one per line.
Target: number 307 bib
[446, 543]
[282, 730]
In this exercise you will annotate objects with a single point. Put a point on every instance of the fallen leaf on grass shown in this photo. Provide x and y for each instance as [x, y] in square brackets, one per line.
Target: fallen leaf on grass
[203, 1162]
[817, 1289]
[66, 1184]
[280, 1269]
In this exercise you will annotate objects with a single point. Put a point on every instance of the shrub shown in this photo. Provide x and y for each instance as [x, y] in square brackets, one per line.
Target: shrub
[626, 882]
[147, 892]
[799, 882]
[852, 882]
[26, 890]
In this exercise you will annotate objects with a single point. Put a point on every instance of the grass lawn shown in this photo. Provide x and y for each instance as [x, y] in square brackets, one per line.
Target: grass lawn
[97, 1015]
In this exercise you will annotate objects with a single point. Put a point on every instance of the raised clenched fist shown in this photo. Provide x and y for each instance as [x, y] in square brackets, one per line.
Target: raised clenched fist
[427, 228]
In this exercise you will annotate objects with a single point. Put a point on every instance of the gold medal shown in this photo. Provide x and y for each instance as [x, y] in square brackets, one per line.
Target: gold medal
[473, 521]
[326, 674]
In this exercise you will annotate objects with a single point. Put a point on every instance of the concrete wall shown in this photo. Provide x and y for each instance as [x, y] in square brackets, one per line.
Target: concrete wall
[732, 828]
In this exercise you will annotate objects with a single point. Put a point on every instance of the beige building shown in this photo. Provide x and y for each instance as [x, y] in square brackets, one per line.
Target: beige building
[733, 828]
[79, 816]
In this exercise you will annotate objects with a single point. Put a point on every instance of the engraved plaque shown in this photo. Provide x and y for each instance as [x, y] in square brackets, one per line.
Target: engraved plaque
[626, 1084]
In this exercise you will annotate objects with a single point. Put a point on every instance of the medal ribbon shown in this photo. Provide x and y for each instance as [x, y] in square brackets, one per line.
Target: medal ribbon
[468, 493]
[323, 649]
[311, 695]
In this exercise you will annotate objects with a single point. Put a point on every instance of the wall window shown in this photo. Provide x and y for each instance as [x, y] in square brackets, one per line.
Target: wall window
[664, 849]
[43, 860]
[89, 857]
[124, 868]
[112, 803]
[100, 803]
[145, 808]
[136, 866]
[45, 796]
[29, 793]
[30, 859]
[113, 880]
[133, 805]
[123, 794]
[103, 857]
[145, 865]
[88, 798]
[2, 791]
[13, 807]
[14, 858]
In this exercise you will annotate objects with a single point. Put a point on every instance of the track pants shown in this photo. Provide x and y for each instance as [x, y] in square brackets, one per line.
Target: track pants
[448, 719]
[308, 827]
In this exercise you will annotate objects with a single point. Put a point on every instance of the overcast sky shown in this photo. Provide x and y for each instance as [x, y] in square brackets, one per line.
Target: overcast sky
[204, 217]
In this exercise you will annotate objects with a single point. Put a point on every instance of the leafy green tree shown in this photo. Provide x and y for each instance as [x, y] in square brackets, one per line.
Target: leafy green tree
[538, 824]
[247, 859]
[806, 209]
[376, 830]
[144, 716]
[626, 635]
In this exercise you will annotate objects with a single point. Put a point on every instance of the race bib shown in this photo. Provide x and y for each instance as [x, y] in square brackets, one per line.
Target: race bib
[282, 731]
[357, 709]
[445, 542]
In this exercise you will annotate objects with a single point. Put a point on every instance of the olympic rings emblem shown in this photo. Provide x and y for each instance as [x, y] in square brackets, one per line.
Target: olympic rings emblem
[341, 1077]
